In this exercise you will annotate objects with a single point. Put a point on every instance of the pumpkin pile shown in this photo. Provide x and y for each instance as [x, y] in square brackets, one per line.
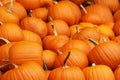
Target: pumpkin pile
[59, 40]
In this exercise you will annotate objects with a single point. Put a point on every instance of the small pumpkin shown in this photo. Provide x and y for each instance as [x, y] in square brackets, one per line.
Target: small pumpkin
[40, 13]
[117, 73]
[35, 25]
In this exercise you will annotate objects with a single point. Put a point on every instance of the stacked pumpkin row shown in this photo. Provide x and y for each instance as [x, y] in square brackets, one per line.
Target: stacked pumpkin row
[59, 40]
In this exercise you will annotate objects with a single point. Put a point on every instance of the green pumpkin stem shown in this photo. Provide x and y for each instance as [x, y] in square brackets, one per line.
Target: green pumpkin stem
[10, 7]
[67, 58]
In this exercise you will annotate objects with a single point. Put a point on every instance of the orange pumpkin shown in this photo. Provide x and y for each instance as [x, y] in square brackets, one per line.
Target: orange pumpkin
[114, 5]
[66, 72]
[102, 11]
[116, 28]
[7, 16]
[35, 25]
[117, 73]
[60, 26]
[18, 10]
[77, 58]
[25, 71]
[65, 10]
[107, 53]
[29, 4]
[31, 36]
[24, 51]
[116, 15]
[49, 58]
[117, 39]
[78, 44]
[40, 13]
[11, 32]
[98, 72]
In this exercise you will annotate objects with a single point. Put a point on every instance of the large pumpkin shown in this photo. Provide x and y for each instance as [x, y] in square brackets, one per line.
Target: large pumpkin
[24, 51]
[27, 71]
[107, 53]
[65, 10]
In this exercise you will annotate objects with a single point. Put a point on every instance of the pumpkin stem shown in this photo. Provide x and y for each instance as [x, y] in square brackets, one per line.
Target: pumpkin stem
[55, 2]
[54, 31]
[1, 23]
[93, 64]
[45, 65]
[7, 67]
[59, 52]
[77, 29]
[93, 41]
[67, 58]
[83, 8]
[49, 18]
[3, 41]
[1, 4]
[10, 7]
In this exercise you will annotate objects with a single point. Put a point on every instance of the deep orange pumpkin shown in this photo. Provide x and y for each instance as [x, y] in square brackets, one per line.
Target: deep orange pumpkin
[27, 71]
[98, 72]
[24, 51]
[65, 10]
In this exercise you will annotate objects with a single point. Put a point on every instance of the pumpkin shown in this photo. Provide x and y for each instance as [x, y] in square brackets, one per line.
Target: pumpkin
[65, 10]
[116, 28]
[6, 1]
[116, 15]
[24, 51]
[78, 44]
[66, 72]
[4, 53]
[117, 73]
[77, 58]
[46, 3]
[18, 10]
[54, 43]
[87, 33]
[60, 26]
[29, 4]
[102, 11]
[98, 72]
[106, 53]
[35, 25]
[40, 13]
[31, 36]
[7, 16]
[114, 5]
[117, 39]
[106, 30]
[79, 2]
[49, 58]
[25, 72]
[11, 32]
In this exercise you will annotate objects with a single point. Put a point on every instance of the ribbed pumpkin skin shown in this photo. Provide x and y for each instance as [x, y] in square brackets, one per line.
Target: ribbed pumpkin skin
[117, 73]
[11, 32]
[112, 4]
[4, 52]
[65, 10]
[24, 51]
[77, 58]
[102, 11]
[98, 72]
[116, 28]
[70, 73]
[27, 71]
[107, 53]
